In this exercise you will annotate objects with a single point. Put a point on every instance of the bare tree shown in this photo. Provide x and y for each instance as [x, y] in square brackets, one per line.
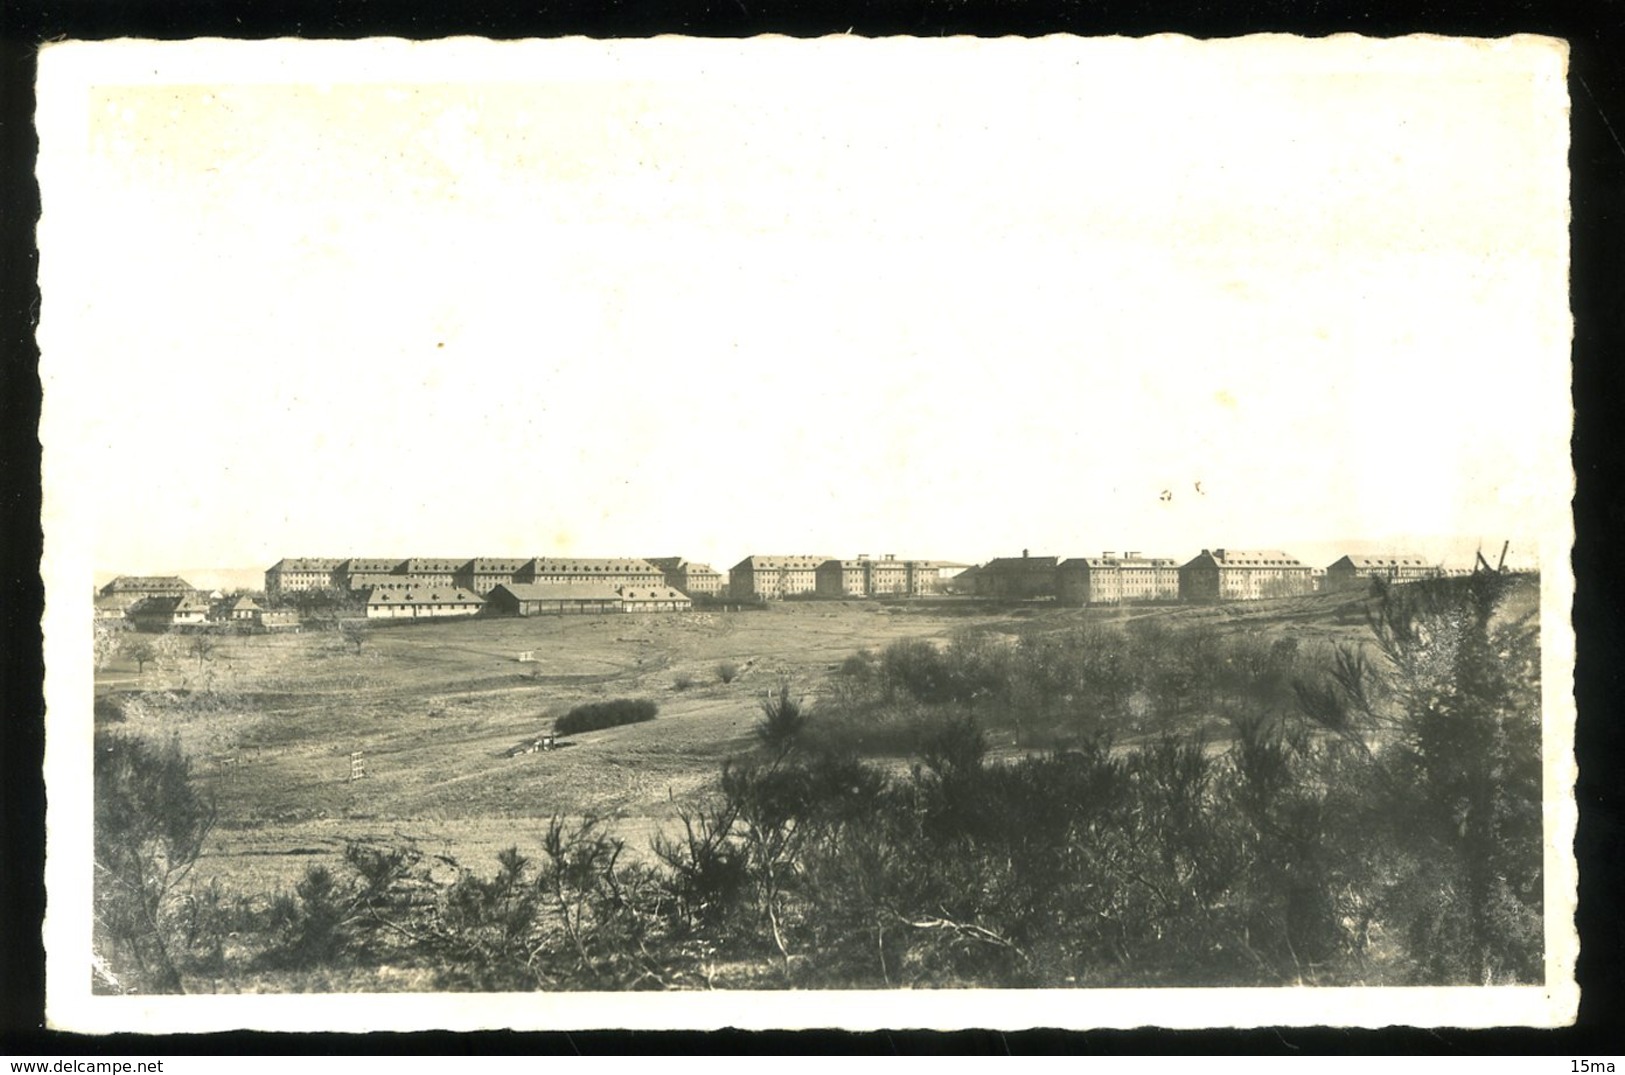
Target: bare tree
[354, 632]
[202, 647]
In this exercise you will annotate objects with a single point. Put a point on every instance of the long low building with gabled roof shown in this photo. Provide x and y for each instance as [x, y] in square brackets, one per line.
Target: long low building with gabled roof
[426, 602]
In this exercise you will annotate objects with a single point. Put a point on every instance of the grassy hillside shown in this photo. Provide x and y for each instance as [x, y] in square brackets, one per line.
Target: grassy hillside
[436, 709]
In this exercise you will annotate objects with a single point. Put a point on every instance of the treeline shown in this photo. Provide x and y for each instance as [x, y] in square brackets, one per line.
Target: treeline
[1371, 815]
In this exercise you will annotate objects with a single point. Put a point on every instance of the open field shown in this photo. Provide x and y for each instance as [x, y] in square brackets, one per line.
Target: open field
[271, 721]
[915, 793]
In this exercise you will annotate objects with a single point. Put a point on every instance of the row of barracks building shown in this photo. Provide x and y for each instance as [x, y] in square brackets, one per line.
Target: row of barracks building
[482, 575]
[791, 576]
[1213, 575]
[437, 588]
[387, 581]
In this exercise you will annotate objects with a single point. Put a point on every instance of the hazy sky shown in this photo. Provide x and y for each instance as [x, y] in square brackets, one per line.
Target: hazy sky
[938, 298]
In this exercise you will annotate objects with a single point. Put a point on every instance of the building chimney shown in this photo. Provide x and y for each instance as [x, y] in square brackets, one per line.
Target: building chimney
[1024, 554]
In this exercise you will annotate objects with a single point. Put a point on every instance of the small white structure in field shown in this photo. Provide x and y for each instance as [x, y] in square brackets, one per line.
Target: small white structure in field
[358, 765]
[527, 656]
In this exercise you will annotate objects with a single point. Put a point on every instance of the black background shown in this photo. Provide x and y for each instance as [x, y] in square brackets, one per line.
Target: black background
[1596, 33]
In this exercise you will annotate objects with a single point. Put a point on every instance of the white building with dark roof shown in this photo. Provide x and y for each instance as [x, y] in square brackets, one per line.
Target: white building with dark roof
[1243, 575]
[1111, 579]
[238, 610]
[294, 575]
[432, 572]
[842, 578]
[774, 576]
[162, 613]
[425, 602]
[345, 574]
[485, 573]
[583, 569]
[696, 580]
[136, 587]
[1353, 571]
[656, 598]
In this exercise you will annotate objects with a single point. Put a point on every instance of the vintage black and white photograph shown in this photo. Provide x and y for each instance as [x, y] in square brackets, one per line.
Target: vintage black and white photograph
[836, 532]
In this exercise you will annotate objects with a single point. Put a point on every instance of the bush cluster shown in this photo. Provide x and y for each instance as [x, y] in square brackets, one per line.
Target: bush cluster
[591, 716]
[1057, 690]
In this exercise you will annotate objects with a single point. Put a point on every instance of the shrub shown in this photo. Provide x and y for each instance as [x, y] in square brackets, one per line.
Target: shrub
[783, 719]
[150, 825]
[860, 665]
[727, 671]
[682, 681]
[592, 716]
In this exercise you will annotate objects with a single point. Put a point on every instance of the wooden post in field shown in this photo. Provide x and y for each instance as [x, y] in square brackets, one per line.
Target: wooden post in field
[358, 765]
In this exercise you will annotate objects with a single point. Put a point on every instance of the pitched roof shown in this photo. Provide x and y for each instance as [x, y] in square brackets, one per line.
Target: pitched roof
[241, 604]
[422, 566]
[1388, 559]
[560, 591]
[426, 595]
[305, 564]
[147, 584]
[365, 580]
[587, 565]
[1001, 562]
[169, 605]
[486, 565]
[1113, 563]
[370, 566]
[780, 563]
[1251, 558]
[650, 593]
